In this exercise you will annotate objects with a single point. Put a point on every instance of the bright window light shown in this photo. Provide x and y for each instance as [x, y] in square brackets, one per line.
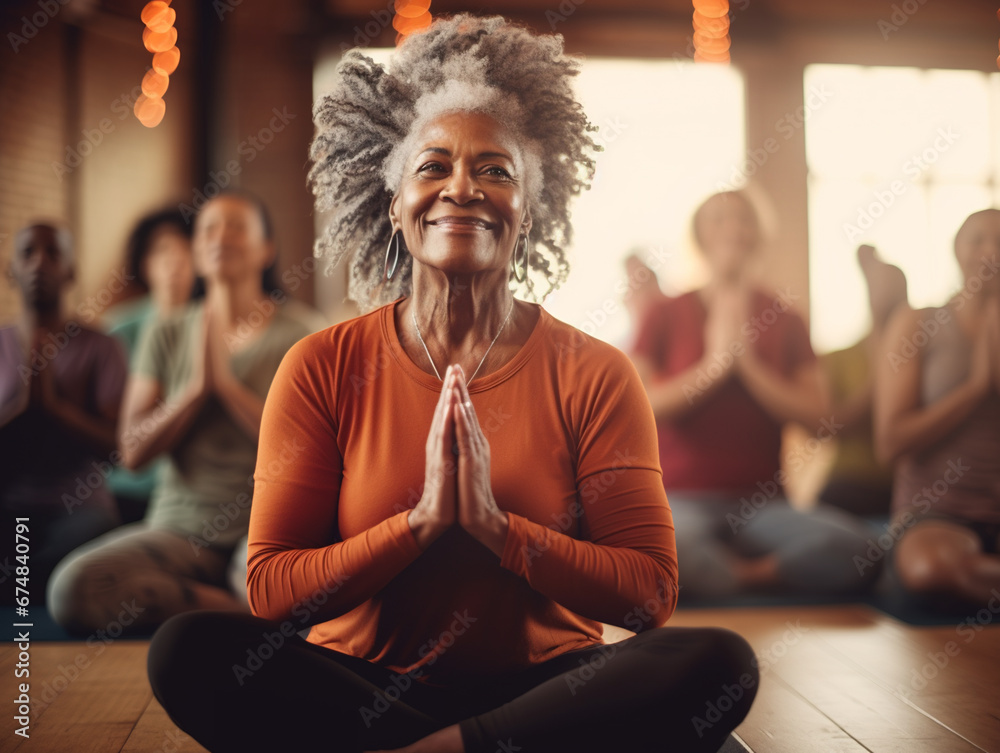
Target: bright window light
[898, 158]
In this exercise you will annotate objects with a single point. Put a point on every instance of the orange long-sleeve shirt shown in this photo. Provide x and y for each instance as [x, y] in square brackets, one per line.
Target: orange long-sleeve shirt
[573, 462]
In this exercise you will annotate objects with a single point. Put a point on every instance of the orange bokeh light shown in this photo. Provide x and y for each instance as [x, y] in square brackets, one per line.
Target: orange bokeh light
[159, 41]
[163, 21]
[405, 25]
[166, 62]
[713, 26]
[412, 8]
[152, 10]
[705, 57]
[704, 43]
[149, 110]
[712, 8]
[155, 84]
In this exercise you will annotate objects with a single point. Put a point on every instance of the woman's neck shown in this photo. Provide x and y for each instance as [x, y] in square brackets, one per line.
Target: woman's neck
[716, 287]
[165, 305]
[457, 318]
[234, 301]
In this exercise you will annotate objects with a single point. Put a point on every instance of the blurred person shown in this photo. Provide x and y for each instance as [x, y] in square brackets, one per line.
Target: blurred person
[937, 418]
[195, 394]
[61, 387]
[727, 367]
[160, 260]
[449, 529]
[857, 481]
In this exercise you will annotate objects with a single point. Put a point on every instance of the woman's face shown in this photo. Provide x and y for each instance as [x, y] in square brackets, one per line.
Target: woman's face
[229, 240]
[978, 242]
[169, 266]
[461, 202]
[728, 233]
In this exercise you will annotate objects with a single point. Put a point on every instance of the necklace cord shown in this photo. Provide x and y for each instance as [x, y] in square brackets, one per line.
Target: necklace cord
[416, 327]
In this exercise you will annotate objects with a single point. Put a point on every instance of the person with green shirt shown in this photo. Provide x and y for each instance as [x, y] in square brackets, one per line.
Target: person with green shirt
[160, 260]
[195, 394]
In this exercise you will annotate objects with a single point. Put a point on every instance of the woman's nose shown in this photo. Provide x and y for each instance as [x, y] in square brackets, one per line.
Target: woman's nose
[461, 187]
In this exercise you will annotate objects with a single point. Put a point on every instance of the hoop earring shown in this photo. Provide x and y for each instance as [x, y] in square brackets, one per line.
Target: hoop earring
[395, 259]
[524, 266]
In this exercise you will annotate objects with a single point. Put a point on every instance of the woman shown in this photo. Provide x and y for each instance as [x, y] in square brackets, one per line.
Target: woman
[196, 395]
[727, 367]
[938, 419]
[475, 486]
[60, 393]
[161, 262]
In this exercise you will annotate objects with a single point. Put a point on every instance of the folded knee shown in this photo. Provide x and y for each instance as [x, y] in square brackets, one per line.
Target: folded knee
[925, 574]
[727, 681]
[218, 646]
[731, 656]
[170, 644]
[67, 598]
[86, 596]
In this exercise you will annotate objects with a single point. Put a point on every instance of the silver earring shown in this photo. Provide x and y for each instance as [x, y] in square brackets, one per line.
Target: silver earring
[524, 265]
[395, 259]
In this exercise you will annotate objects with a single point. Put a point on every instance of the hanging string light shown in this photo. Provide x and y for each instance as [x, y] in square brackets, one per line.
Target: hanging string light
[160, 38]
[411, 16]
[711, 31]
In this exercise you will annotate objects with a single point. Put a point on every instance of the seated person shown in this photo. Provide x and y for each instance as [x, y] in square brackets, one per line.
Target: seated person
[727, 367]
[938, 419]
[856, 481]
[60, 391]
[456, 528]
[160, 261]
[196, 393]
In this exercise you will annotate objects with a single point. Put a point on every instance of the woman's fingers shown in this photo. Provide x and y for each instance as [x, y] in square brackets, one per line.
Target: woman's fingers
[466, 402]
[440, 423]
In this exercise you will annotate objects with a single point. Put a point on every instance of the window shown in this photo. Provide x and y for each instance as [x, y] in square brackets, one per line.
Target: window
[897, 158]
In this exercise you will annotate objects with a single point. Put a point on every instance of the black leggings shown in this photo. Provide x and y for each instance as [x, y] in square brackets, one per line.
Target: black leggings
[221, 679]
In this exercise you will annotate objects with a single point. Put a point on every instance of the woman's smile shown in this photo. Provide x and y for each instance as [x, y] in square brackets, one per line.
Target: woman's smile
[460, 224]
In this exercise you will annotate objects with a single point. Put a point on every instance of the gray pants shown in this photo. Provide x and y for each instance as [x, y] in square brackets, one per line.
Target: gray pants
[815, 549]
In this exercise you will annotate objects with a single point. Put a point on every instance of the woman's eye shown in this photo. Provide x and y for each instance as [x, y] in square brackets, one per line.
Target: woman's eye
[431, 167]
[497, 171]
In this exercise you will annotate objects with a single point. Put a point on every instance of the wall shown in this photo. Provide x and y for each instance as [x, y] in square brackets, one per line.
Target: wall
[33, 90]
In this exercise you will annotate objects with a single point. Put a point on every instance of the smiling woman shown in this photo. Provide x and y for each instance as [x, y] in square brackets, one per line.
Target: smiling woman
[456, 533]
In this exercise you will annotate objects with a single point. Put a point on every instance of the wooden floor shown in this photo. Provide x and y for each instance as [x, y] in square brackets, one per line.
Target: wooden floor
[842, 679]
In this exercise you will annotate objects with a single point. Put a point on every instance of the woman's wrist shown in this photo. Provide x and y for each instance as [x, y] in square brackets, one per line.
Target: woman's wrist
[491, 531]
[424, 530]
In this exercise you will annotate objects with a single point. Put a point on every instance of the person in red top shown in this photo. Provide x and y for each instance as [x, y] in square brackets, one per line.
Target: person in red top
[726, 368]
[455, 490]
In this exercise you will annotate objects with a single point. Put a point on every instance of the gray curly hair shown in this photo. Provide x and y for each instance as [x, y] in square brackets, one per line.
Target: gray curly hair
[365, 129]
